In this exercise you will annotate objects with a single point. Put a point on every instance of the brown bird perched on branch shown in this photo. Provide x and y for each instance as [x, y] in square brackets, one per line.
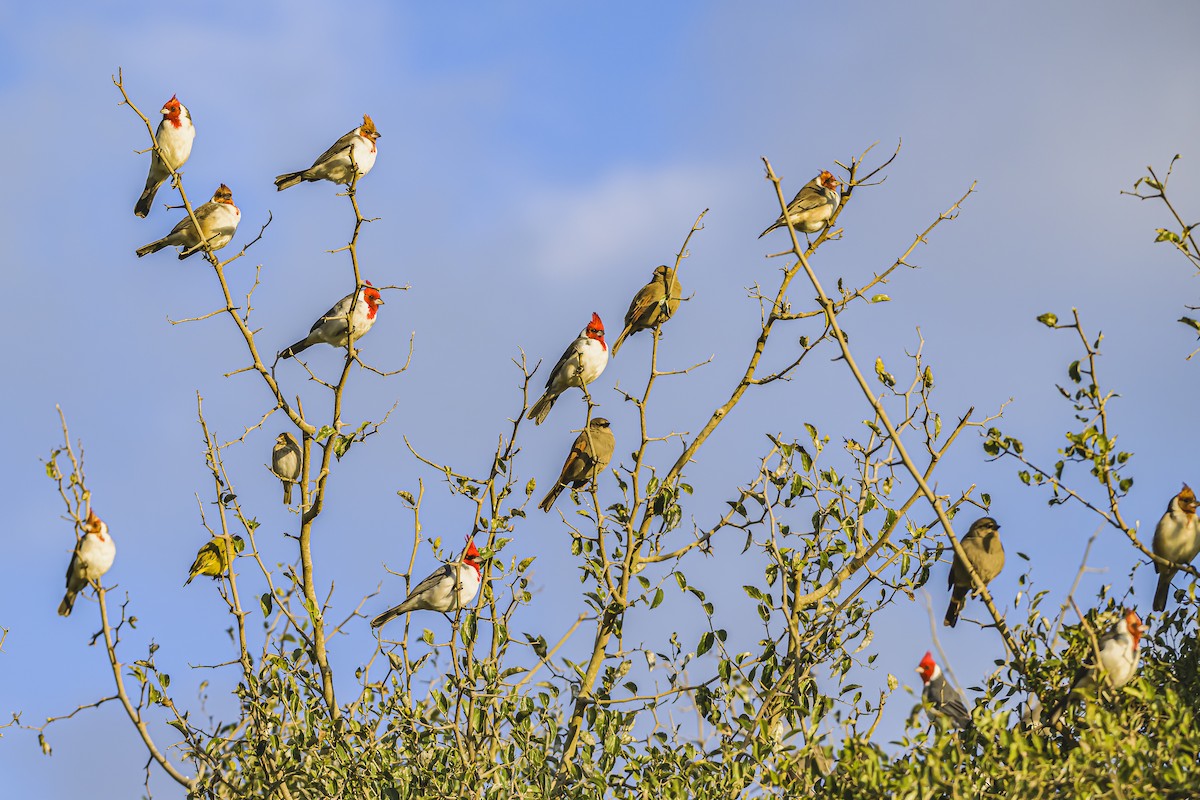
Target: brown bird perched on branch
[590, 454]
[285, 463]
[652, 305]
[1177, 539]
[983, 548]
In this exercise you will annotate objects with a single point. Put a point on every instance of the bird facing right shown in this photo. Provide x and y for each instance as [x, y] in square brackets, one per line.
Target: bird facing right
[335, 164]
[218, 219]
[812, 207]
[983, 548]
[450, 588]
[92, 558]
[214, 557]
[653, 305]
[590, 454]
[1177, 539]
[344, 323]
[174, 136]
[1118, 657]
[285, 463]
[582, 363]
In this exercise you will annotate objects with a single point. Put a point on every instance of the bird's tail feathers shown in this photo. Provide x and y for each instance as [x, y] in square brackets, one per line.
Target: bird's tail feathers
[142, 209]
[389, 615]
[287, 493]
[1164, 589]
[617, 344]
[68, 603]
[153, 247]
[957, 601]
[551, 497]
[288, 180]
[541, 409]
[298, 347]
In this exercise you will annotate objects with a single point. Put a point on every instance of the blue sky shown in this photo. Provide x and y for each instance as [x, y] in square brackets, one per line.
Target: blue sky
[536, 163]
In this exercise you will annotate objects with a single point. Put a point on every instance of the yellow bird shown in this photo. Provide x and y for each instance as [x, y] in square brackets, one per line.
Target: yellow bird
[214, 557]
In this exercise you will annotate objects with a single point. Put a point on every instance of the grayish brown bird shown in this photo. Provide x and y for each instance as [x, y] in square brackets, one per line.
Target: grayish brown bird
[983, 548]
[285, 463]
[590, 454]
[652, 305]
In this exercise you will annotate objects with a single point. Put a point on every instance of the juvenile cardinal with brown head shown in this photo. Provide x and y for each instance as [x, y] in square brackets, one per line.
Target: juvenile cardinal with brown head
[1177, 539]
[92, 558]
[581, 364]
[812, 207]
[218, 219]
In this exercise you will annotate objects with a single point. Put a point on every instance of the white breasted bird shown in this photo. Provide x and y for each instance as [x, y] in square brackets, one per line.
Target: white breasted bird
[1118, 658]
[357, 146]
[983, 548]
[218, 219]
[1177, 539]
[942, 700]
[812, 207]
[450, 588]
[92, 558]
[349, 319]
[174, 137]
[581, 364]
[285, 463]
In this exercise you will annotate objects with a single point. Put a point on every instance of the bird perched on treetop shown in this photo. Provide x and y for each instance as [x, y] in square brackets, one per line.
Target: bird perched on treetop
[943, 701]
[285, 463]
[348, 317]
[335, 163]
[983, 548]
[450, 588]
[92, 558]
[581, 364]
[1118, 657]
[590, 454]
[812, 207]
[174, 137]
[218, 220]
[1177, 539]
[214, 557]
[652, 305]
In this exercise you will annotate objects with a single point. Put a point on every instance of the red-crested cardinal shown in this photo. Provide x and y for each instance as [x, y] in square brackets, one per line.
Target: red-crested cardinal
[581, 364]
[1118, 657]
[983, 548]
[581, 465]
[812, 207]
[285, 463]
[174, 137]
[218, 220]
[943, 701]
[450, 588]
[92, 558]
[652, 305]
[353, 315]
[1177, 539]
[335, 163]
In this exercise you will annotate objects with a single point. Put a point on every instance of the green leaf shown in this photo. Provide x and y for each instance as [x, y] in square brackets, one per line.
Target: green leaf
[880, 298]
[325, 432]
[658, 598]
[340, 445]
[267, 603]
[706, 643]
[1050, 320]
